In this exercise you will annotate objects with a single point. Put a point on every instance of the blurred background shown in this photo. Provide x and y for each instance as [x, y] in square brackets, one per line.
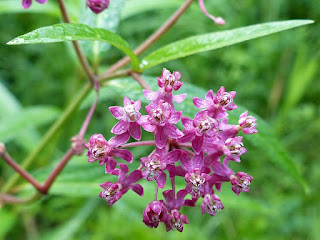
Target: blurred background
[275, 77]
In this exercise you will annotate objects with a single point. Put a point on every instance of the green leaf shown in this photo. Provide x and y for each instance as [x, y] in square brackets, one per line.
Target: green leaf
[8, 220]
[69, 228]
[29, 117]
[108, 19]
[211, 41]
[72, 32]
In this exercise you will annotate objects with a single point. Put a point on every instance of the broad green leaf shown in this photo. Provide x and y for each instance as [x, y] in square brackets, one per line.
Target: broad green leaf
[135, 7]
[71, 32]
[69, 228]
[211, 41]
[13, 124]
[108, 19]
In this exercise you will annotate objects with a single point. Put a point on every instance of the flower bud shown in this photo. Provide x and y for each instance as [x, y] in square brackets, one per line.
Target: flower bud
[97, 6]
[154, 213]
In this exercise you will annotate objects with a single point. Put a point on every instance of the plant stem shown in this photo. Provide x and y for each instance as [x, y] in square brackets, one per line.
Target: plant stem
[82, 58]
[152, 39]
[140, 80]
[156, 193]
[135, 144]
[88, 118]
[50, 133]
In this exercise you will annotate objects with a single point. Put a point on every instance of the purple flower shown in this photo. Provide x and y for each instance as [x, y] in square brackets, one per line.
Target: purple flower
[233, 149]
[199, 130]
[217, 20]
[247, 123]
[169, 81]
[175, 219]
[156, 163]
[216, 105]
[27, 3]
[100, 149]
[161, 119]
[240, 182]
[211, 204]
[128, 116]
[196, 174]
[154, 213]
[112, 192]
[97, 6]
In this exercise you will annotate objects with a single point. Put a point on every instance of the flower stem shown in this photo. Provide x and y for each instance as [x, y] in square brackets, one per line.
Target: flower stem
[140, 80]
[148, 42]
[135, 144]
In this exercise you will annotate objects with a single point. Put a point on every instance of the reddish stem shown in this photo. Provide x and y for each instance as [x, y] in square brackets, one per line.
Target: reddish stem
[140, 80]
[135, 144]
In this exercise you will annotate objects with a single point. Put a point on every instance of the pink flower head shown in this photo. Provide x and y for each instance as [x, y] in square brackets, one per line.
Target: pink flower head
[199, 130]
[169, 81]
[175, 219]
[247, 123]
[112, 192]
[128, 116]
[211, 204]
[240, 182]
[154, 213]
[156, 163]
[216, 105]
[161, 119]
[100, 149]
[225, 99]
[97, 6]
[196, 174]
[27, 3]
[217, 20]
[233, 148]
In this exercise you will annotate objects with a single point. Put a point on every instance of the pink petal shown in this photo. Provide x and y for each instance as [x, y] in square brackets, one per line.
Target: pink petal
[180, 196]
[175, 117]
[172, 156]
[137, 105]
[135, 130]
[199, 103]
[169, 197]
[137, 188]
[123, 154]
[123, 172]
[160, 137]
[173, 131]
[186, 162]
[197, 143]
[145, 123]
[117, 112]
[179, 98]
[149, 94]
[126, 101]
[209, 96]
[119, 139]
[110, 165]
[217, 20]
[133, 177]
[161, 180]
[197, 160]
[42, 1]
[121, 127]
[188, 136]
[187, 123]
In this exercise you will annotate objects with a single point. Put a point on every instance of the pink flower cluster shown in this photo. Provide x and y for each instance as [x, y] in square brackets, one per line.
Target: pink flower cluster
[200, 153]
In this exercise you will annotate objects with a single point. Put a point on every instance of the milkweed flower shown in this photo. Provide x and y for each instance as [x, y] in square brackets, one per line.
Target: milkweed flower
[27, 3]
[98, 6]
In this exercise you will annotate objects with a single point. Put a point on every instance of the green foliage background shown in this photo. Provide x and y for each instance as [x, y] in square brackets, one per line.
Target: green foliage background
[276, 77]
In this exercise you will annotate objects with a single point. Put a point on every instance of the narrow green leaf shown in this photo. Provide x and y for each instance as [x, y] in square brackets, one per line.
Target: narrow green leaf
[71, 32]
[11, 125]
[215, 40]
[108, 19]
[68, 229]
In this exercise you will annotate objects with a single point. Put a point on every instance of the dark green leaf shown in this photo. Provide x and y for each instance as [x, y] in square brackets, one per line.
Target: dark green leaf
[216, 40]
[71, 32]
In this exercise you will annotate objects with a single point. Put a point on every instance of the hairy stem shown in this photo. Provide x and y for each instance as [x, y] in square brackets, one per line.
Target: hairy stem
[152, 39]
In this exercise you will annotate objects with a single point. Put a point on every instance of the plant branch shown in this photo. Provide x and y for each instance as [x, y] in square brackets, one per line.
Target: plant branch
[82, 58]
[140, 80]
[8, 198]
[136, 144]
[152, 39]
